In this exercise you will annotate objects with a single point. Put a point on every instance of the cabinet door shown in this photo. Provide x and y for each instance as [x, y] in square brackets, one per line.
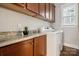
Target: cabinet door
[33, 7]
[52, 13]
[40, 46]
[42, 9]
[0, 52]
[47, 11]
[19, 49]
[20, 4]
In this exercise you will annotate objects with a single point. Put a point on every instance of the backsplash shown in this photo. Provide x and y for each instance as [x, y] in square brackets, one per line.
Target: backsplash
[9, 21]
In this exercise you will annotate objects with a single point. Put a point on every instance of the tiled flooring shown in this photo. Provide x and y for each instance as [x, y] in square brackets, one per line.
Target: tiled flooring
[67, 51]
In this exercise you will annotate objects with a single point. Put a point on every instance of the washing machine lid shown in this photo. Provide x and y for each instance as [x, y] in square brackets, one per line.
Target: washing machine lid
[47, 29]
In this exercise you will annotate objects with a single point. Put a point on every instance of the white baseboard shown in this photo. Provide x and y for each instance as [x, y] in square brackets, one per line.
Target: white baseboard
[71, 45]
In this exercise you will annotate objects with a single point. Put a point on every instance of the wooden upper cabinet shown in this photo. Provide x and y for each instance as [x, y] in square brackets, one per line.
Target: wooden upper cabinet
[33, 7]
[40, 46]
[20, 4]
[47, 11]
[52, 13]
[18, 7]
[42, 9]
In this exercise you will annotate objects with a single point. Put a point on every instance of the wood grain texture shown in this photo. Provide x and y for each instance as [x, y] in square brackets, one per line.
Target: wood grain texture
[33, 7]
[68, 51]
[24, 48]
[42, 9]
[52, 13]
[47, 11]
[40, 46]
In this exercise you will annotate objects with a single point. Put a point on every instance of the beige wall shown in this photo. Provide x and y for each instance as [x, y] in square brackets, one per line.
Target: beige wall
[57, 23]
[71, 37]
[71, 33]
[9, 20]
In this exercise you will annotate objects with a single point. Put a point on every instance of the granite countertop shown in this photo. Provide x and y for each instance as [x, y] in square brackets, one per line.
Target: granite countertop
[14, 39]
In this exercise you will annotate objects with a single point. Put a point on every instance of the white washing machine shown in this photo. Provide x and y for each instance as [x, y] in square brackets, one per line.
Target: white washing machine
[54, 43]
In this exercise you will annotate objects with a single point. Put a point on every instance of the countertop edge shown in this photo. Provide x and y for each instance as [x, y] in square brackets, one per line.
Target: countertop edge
[6, 43]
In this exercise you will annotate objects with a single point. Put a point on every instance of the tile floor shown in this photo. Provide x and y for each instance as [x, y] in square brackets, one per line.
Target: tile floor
[68, 51]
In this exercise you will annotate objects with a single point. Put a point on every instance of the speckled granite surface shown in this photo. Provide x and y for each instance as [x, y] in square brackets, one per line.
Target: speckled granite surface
[8, 33]
[68, 51]
[11, 38]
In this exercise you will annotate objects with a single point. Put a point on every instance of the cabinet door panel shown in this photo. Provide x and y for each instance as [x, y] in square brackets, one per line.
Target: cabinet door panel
[33, 7]
[25, 50]
[47, 11]
[20, 4]
[40, 46]
[0, 52]
[19, 49]
[42, 9]
[52, 13]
